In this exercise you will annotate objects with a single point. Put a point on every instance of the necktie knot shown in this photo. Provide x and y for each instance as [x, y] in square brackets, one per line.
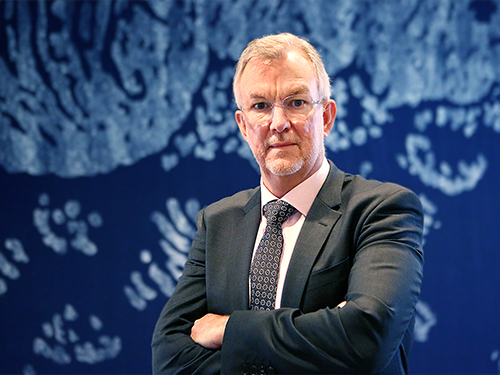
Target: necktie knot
[277, 212]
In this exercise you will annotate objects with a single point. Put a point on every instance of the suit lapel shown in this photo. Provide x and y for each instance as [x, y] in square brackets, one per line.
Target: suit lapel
[244, 234]
[318, 224]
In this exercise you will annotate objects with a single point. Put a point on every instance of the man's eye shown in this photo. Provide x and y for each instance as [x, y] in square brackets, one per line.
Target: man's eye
[298, 103]
[260, 106]
[295, 103]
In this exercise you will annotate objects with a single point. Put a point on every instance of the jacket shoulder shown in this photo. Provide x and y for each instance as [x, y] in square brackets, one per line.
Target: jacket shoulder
[356, 184]
[238, 201]
[357, 189]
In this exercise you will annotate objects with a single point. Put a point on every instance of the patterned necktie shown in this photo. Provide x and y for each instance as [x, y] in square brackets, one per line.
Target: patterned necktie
[266, 262]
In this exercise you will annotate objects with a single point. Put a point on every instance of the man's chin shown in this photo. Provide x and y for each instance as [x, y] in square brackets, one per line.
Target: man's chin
[283, 167]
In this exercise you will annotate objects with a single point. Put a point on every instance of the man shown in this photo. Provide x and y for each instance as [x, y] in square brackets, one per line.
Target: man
[349, 259]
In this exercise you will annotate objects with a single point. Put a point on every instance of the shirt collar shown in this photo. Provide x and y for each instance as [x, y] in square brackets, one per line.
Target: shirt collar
[301, 196]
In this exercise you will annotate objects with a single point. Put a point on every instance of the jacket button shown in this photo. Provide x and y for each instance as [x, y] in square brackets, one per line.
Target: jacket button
[244, 370]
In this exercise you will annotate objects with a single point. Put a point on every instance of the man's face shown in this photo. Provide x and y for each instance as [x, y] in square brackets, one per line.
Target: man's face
[283, 146]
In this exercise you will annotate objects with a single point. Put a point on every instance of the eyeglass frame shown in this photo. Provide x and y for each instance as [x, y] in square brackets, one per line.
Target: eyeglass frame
[273, 106]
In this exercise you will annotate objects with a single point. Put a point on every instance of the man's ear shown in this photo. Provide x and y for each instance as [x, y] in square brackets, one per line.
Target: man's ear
[329, 113]
[240, 120]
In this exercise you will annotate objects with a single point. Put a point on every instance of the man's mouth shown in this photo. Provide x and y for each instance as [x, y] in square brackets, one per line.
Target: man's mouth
[283, 144]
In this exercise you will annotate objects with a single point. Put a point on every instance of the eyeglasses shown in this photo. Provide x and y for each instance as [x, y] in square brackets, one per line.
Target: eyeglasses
[295, 108]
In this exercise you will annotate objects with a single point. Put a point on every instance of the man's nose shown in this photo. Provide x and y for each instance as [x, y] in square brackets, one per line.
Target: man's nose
[279, 120]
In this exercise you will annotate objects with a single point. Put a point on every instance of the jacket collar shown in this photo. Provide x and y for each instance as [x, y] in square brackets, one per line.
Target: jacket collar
[319, 223]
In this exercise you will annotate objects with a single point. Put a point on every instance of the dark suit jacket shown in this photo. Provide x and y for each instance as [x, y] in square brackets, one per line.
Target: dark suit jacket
[361, 242]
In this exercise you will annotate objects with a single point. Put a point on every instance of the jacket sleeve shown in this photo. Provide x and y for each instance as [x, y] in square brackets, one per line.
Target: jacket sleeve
[174, 352]
[363, 336]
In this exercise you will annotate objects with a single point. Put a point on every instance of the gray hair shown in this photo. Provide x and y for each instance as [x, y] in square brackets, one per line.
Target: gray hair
[275, 47]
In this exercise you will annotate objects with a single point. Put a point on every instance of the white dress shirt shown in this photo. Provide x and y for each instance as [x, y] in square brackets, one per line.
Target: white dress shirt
[301, 197]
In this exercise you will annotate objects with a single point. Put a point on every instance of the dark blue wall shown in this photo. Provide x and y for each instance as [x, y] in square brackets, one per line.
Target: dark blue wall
[116, 127]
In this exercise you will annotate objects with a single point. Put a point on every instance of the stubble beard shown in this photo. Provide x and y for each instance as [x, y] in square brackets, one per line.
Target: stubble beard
[286, 165]
[283, 166]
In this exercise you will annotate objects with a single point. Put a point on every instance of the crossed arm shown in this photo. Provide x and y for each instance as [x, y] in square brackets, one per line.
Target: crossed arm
[209, 330]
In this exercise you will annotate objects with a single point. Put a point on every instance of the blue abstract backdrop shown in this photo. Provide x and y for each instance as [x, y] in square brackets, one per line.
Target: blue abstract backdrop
[117, 126]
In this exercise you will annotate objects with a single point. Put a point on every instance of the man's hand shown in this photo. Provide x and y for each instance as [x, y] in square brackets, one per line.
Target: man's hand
[209, 330]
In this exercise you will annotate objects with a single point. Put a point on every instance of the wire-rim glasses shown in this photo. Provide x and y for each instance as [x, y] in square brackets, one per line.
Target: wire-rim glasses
[295, 108]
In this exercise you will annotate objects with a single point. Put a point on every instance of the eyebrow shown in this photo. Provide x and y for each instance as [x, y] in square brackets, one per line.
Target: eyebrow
[295, 91]
[257, 96]
[300, 90]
